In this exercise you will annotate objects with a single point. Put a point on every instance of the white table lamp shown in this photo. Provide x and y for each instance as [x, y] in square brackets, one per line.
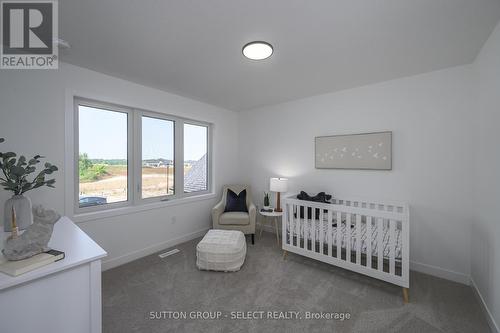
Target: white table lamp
[278, 185]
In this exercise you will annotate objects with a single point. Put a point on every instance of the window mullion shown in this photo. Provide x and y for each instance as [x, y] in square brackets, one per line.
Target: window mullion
[137, 157]
[130, 156]
[179, 157]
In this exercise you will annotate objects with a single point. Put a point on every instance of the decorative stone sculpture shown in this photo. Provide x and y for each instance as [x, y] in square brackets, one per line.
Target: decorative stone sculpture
[36, 237]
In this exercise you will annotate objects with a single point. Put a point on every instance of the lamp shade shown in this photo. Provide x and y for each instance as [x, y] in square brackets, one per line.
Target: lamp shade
[278, 184]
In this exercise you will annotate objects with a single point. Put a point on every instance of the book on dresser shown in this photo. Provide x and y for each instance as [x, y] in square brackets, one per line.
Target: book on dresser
[18, 267]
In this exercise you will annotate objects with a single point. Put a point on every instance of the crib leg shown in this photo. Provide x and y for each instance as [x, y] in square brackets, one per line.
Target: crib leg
[284, 255]
[405, 296]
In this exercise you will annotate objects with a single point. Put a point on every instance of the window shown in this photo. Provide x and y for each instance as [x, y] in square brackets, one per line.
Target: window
[195, 158]
[102, 156]
[157, 157]
[125, 156]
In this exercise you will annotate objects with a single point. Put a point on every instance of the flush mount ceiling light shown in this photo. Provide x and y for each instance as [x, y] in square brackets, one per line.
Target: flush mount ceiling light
[257, 50]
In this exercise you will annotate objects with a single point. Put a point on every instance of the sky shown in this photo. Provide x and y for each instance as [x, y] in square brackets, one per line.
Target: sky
[103, 135]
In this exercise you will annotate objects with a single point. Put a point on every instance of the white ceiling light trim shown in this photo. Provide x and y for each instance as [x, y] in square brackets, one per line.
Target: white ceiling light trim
[257, 50]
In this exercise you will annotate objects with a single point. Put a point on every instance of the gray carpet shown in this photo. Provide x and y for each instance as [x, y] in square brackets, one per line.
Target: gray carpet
[266, 282]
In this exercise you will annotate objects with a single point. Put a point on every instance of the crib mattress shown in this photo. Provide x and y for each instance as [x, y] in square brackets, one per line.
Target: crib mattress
[364, 242]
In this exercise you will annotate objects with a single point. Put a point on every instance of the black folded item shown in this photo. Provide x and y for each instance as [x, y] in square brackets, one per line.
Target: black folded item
[321, 197]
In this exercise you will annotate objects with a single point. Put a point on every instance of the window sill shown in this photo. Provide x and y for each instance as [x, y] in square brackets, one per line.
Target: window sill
[85, 217]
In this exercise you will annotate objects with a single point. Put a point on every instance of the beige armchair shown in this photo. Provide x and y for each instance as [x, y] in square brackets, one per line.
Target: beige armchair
[242, 221]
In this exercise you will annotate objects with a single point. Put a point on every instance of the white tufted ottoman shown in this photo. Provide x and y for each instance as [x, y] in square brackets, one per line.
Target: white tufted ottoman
[221, 250]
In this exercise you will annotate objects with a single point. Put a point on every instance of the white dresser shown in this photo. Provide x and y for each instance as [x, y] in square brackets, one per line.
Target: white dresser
[62, 297]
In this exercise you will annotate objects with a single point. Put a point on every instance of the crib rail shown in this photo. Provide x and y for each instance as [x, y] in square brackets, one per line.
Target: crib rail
[367, 237]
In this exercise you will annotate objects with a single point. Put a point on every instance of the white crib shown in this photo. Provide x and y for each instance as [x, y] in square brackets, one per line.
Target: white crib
[312, 229]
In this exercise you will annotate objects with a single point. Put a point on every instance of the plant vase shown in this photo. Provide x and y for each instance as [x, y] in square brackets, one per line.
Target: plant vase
[24, 213]
[267, 203]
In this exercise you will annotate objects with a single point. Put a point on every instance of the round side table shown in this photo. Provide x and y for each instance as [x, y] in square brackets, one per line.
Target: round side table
[274, 215]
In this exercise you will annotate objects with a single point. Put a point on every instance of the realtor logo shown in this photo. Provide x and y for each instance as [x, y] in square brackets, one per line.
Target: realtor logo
[29, 29]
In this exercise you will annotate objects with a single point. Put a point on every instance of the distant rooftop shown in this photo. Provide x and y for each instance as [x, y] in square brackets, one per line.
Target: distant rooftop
[196, 178]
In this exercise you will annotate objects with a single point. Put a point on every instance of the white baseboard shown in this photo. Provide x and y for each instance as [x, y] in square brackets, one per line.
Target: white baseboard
[118, 261]
[489, 317]
[440, 272]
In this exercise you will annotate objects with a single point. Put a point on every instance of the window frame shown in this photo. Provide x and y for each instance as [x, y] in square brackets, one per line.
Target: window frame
[139, 115]
[134, 157]
[130, 171]
[209, 156]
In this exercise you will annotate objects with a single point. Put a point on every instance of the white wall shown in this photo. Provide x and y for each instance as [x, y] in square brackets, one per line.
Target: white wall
[485, 230]
[430, 117]
[32, 114]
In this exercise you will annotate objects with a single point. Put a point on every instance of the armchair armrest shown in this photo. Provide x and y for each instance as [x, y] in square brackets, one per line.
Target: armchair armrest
[217, 212]
[252, 212]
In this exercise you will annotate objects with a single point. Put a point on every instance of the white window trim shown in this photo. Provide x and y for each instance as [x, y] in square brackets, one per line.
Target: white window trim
[135, 203]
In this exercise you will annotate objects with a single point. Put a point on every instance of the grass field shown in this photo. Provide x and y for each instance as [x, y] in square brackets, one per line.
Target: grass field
[113, 185]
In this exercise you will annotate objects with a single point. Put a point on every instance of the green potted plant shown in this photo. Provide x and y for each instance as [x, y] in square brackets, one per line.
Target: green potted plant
[267, 202]
[14, 178]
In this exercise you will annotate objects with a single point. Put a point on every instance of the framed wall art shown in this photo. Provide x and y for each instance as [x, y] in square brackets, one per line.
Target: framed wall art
[370, 151]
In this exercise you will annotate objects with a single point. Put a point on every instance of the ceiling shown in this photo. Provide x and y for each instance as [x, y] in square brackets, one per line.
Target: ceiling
[193, 47]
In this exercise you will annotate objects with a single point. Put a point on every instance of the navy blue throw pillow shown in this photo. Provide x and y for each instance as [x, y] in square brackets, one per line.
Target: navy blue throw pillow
[236, 202]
